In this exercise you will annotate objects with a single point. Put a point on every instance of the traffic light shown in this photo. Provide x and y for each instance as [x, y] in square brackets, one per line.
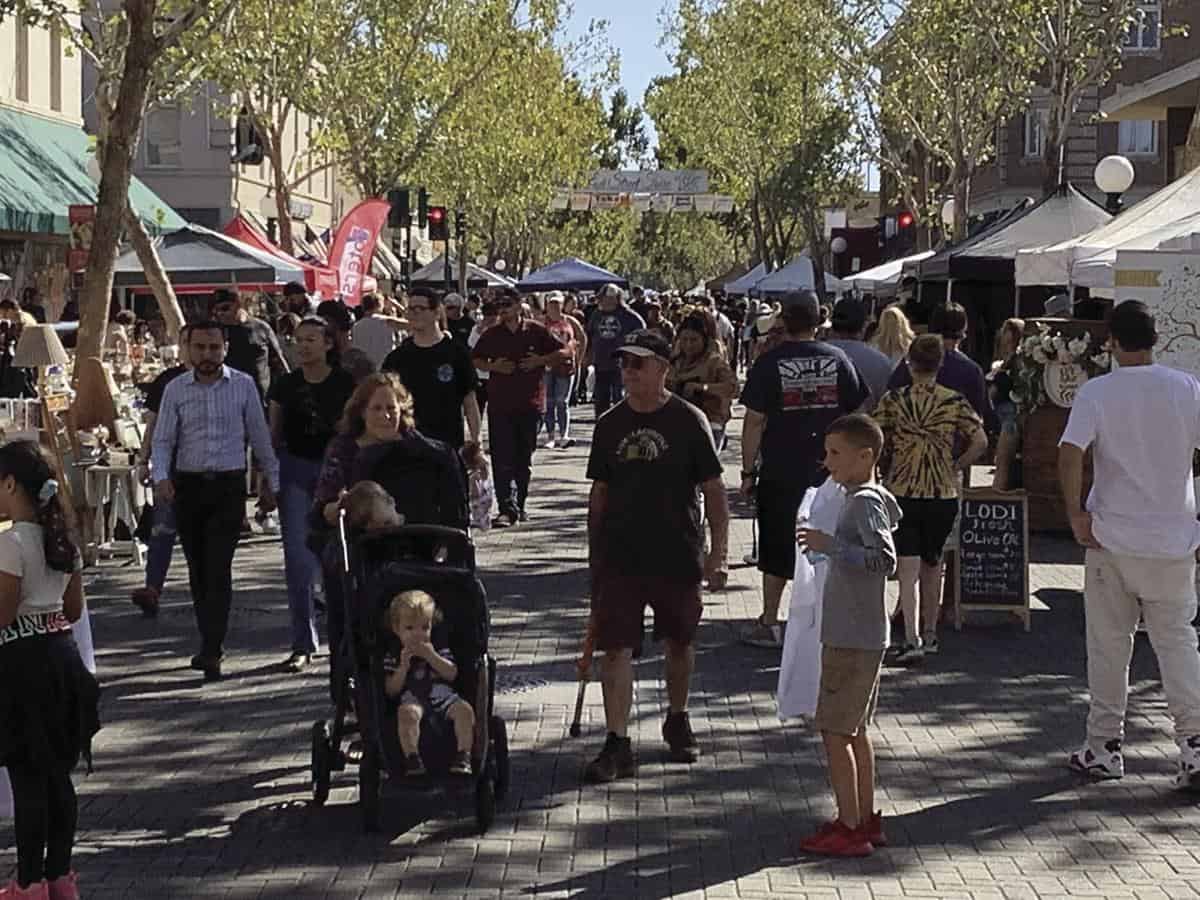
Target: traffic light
[439, 225]
[247, 145]
[399, 215]
[422, 207]
[906, 220]
[460, 224]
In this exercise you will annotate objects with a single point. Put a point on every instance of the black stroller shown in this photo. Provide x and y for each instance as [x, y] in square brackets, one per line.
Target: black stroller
[375, 567]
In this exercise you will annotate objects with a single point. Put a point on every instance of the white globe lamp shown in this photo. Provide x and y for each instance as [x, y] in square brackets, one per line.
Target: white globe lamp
[481, 259]
[839, 245]
[1114, 176]
[501, 265]
[266, 206]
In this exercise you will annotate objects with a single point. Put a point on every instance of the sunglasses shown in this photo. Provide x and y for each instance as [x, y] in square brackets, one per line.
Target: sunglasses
[632, 362]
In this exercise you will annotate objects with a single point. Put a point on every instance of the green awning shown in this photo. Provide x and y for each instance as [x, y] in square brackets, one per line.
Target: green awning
[43, 170]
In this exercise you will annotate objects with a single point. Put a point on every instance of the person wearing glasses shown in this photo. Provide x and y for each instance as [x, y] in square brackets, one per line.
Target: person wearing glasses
[515, 354]
[438, 372]
[652, 458]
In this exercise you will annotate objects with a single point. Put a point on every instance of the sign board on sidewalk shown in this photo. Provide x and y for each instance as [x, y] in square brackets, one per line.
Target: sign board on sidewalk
[993, 554]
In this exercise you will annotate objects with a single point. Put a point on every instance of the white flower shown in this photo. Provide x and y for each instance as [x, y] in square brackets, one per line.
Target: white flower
[1103, 360]
[1029, 343]
[1065, 356]
[1079, 346]
[1039, 356]
[1059, 344]
[1048, 344]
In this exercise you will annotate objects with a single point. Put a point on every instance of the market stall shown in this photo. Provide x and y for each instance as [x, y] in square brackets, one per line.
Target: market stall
[883, 280]
[570, 274]
[320, 281]
[798, 275]
[433, 276]
[739, 287]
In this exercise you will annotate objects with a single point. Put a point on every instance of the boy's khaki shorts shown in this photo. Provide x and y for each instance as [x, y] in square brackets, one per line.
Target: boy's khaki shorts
[849, 689]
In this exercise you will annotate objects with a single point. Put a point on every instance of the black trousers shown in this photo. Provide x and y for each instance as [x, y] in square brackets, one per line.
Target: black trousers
[513, 438]
[209, 510]
[46, 813]
[610, 390]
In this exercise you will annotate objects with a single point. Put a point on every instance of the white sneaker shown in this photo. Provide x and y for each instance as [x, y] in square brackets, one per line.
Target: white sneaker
[1188, 776]
[549, 445]
[1103, 763]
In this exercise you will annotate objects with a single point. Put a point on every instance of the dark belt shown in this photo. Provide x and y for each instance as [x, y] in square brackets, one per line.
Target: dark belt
[226, 475]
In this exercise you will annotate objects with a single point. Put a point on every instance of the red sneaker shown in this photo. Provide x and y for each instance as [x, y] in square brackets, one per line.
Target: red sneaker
[873, 830]
[838, 840]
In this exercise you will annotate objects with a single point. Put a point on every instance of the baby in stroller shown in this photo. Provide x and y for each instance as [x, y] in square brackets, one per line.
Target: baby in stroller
[370, 508]
[420, 682]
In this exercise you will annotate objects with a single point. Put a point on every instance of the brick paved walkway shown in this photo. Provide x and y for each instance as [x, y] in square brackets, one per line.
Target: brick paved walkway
[202, 791]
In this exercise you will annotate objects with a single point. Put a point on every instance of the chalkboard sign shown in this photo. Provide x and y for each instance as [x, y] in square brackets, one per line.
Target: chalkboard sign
[992, 568]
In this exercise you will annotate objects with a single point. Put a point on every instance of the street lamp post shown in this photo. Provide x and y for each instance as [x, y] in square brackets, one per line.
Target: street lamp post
[1114, 176]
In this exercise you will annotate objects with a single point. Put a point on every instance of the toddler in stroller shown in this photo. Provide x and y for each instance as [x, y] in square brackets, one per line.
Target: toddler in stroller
[420, 683]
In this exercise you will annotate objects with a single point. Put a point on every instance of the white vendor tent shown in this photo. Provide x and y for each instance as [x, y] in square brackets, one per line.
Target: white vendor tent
[1097, 272]
[798, 275]
[741, 286]
[1054, 264]
[885, 278]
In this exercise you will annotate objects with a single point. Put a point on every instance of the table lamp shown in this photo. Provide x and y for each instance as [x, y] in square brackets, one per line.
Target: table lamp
[40, 348]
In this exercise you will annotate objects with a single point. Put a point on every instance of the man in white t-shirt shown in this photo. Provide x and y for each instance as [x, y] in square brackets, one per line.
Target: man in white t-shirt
[1142, 422]
[374, 334]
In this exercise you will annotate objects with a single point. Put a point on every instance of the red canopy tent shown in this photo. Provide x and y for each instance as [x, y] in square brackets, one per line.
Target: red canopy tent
[317, 279]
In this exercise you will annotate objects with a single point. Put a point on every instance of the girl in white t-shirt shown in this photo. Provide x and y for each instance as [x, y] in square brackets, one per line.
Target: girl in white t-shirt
[48, 704]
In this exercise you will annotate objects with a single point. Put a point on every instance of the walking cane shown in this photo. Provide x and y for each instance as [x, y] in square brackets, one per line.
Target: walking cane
[583, 667]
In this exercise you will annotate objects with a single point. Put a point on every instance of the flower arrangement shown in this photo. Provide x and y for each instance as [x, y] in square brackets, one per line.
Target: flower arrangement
[1042, 347]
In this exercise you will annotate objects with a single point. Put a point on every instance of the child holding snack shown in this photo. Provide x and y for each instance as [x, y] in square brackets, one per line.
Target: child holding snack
[483, 493]
[854, 633]
[422, 682]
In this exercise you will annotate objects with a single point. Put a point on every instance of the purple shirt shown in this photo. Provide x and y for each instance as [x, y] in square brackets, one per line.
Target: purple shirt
[959, 373]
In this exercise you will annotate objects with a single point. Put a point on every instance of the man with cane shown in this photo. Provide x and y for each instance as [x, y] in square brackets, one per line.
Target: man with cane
[652, 456]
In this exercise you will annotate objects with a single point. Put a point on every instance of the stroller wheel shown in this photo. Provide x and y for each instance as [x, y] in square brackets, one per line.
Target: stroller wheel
[322, 762]
[500, 749]
[368, 787]
[485, 803]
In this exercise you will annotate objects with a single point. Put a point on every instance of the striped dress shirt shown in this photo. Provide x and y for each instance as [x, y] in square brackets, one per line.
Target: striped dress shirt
[206, 427]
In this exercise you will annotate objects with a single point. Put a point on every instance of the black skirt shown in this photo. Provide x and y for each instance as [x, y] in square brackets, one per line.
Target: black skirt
[48, 703]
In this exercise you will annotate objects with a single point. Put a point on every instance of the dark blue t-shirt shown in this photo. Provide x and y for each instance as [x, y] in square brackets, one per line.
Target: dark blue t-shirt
[801, 387]
[607, 331]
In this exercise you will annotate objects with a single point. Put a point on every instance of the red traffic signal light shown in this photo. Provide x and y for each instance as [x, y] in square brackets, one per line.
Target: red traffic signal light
[906, 220]
[439, 225]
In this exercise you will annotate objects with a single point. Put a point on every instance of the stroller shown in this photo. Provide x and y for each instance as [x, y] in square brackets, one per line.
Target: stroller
[375, 567]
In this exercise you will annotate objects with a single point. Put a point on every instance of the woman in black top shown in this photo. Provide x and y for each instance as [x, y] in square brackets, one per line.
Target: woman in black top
[305, 405]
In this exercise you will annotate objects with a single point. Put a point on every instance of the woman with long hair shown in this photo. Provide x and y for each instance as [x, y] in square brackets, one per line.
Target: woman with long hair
[894, 334]
[305, 405]
[48, 705]
[1008, 342]
[701, 375]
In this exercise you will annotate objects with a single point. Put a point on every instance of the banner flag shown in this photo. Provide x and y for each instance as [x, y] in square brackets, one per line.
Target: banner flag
[354, 246]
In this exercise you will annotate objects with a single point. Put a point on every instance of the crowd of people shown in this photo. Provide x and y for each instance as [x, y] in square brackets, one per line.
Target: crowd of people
[383, 417]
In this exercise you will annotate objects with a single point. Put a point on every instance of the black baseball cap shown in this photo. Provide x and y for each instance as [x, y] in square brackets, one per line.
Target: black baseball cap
[645, 343]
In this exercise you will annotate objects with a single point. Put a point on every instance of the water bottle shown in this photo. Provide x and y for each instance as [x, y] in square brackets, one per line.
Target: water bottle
[814, 557]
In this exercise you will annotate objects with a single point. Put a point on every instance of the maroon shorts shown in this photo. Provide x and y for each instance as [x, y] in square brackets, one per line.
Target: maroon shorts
[619, 602]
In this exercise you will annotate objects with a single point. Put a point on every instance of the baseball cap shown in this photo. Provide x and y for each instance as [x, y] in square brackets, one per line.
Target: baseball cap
[849, 315]
[452, 299]
[610, 290]
[554, 297]
[645, 343]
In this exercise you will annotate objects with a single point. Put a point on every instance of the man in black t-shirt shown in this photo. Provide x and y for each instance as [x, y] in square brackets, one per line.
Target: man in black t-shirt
[458, 321]
[793, 393]
[253, 346]
[652, 456]
[439, 374]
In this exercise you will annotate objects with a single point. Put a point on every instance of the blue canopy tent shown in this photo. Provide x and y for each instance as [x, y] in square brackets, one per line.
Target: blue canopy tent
[570, 274]
[741, 286]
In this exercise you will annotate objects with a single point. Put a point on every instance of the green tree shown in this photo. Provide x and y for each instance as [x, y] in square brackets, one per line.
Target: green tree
[627, 147]
[145, 52]
[754, 99]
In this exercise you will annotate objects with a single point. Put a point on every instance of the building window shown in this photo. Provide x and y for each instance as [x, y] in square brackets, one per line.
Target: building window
[1145, 32]
[56, 57]
[1034, 129]
[164, 147]
[1137, 138]
[22, 55]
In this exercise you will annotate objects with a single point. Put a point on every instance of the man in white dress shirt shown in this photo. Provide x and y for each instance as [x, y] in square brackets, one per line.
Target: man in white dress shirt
[207, 418]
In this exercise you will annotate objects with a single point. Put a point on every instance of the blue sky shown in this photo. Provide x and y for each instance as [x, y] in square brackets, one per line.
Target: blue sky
[634, 30]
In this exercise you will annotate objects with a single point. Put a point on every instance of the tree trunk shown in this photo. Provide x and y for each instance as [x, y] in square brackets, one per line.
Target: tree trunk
[1191, 150]
[283, 193]
[113, 194]
[1054, 162]
[168, 303]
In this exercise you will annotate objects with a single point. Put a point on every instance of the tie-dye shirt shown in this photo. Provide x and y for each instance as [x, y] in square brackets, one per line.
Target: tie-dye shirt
[920, 423]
